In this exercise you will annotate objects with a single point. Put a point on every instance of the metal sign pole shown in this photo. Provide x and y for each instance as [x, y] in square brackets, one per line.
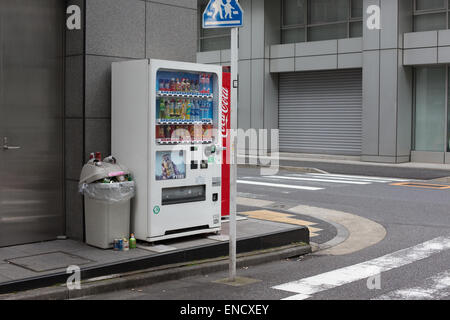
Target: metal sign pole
[229, 15]
[233, 176]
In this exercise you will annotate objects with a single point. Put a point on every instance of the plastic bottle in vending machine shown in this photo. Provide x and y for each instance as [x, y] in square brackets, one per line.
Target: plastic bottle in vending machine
[193, 110]
[199, 111]
[178, 109]
[208, 83]
[171, 109]
[194, 86]
[202, 110]
[188, 110]
[201, 83]
[188, 85]
[183, 109]
[162, 109]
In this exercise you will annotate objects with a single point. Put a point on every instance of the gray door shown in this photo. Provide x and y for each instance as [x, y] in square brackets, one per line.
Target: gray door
[321, 112]
[31, 106]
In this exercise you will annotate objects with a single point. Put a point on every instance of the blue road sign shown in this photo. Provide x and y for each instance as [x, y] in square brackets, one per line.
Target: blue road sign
[223, 14]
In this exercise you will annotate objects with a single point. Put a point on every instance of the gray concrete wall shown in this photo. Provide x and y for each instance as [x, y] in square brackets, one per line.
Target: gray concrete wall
[317, 55]
[113, 30]
[387, 85]
[424, 48]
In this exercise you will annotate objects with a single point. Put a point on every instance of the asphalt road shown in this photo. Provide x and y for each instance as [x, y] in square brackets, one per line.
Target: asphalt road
[412, 261]
[371, 170]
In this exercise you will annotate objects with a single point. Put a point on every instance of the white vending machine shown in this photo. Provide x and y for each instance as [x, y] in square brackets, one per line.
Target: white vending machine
[166, 119]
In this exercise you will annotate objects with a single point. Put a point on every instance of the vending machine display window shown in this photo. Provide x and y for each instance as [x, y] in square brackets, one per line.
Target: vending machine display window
[170, 165]
[184, 107]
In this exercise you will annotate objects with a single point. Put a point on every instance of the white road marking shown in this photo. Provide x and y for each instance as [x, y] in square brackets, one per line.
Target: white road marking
[305, 288]
[324, 176]
[362, 177]
[277, 185]
[318, 180]
[434, 288]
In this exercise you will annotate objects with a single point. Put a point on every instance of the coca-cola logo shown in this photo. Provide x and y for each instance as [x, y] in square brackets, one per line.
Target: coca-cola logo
[225, 110]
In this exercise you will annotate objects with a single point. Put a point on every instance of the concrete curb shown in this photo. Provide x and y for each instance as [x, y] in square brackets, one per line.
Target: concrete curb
[355, 233]
[287, 168]
[160, 274]
[444, 180]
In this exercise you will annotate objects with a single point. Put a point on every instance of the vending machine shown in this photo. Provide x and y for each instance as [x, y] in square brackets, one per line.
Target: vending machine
[166, 128]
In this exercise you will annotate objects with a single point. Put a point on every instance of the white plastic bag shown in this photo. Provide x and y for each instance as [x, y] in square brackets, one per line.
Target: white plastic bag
[109, 192]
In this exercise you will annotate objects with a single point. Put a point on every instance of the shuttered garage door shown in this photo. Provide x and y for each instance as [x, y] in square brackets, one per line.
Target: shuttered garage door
[321, 112]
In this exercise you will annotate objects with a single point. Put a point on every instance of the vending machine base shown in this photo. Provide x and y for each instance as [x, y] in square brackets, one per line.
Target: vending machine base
[185, 233]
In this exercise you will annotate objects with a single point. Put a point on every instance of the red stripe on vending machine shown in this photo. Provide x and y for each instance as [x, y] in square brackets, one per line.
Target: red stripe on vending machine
[225, 127]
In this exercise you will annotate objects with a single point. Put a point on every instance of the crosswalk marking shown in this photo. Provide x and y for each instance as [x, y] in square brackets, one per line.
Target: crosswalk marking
[368, 179]
[434, 288]
[277, 185]
[314, 178]
[307, 287]
[358, 177]
[318, 180]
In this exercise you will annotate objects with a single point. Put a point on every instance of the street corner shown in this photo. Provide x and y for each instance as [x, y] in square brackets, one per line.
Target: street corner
[355, 233]
[332, 232]
[320, 231]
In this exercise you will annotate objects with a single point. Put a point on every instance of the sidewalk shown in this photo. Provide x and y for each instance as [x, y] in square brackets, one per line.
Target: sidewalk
[353, 165]
[44, 264]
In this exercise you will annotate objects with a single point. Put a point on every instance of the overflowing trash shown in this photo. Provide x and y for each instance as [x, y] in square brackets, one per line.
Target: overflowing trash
[108, 188]
[106, 180]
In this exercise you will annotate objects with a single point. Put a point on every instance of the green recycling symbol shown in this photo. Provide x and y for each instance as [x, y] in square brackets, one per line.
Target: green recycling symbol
[156, 209]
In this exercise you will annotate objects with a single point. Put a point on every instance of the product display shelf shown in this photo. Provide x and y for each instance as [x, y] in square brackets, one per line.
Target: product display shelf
[162, 122]
[180, 94]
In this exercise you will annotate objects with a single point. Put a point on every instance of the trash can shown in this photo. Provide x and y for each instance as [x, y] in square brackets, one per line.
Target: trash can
[108, 188]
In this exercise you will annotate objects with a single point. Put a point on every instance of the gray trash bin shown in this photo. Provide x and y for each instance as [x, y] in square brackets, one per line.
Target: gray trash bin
[107, 205]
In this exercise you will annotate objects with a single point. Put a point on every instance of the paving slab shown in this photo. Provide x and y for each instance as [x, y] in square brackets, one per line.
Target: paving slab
[44, 264]
[48, 261]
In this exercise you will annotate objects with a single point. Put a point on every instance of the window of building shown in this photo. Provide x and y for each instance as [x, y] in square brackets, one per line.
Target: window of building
[314, 20]
[431, 15]
[211, 39]
[448, 111]
[430, 109]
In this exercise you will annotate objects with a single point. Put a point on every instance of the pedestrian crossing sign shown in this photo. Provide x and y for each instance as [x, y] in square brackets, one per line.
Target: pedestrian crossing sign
[223, 14]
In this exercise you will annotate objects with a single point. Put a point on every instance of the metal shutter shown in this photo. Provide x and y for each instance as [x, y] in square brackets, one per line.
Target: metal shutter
[321, 112]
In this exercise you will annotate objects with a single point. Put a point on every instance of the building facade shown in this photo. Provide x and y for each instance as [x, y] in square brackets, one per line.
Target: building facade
[310, 68]
[55, 98]
[315, 70]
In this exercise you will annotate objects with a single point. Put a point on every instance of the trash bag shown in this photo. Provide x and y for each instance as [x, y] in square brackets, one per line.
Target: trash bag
[109, 192]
